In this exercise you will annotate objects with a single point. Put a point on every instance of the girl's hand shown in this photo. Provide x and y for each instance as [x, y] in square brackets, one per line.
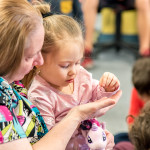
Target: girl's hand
[109, 82]
[110, 140]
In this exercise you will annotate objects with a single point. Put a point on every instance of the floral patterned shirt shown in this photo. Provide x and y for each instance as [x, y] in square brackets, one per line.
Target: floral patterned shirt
[18, 117]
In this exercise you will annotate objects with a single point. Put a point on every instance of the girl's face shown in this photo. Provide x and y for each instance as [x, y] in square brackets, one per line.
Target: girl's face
[32, 55]
[61, 66]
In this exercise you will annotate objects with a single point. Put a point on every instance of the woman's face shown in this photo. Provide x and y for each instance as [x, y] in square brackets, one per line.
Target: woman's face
[32, 55]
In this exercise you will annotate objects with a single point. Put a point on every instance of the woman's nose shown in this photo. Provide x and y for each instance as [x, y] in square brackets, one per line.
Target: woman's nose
[39, 60]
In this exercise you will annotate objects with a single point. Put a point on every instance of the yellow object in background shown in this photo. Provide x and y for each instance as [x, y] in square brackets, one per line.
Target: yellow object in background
[108, 21]
[66, 6]
[129, 22]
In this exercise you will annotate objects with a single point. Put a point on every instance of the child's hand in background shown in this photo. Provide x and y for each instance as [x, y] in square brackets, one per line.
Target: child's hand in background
[109, 82]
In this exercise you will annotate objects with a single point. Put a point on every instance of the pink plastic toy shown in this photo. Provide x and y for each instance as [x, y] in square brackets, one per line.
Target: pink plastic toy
[96, 137]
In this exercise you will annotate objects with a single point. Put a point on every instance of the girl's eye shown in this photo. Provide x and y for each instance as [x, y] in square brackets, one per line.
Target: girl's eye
[78, 63]
[64, 66]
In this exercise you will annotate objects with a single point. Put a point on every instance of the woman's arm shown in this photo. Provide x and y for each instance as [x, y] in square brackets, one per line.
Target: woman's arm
[58, 137]
[62, 132]
[21, 144]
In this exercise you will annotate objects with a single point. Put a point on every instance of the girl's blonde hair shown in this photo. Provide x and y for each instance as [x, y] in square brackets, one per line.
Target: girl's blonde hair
[18, 19]
[57, 27]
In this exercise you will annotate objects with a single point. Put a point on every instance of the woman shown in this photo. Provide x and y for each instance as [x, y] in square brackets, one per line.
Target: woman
[22, 37]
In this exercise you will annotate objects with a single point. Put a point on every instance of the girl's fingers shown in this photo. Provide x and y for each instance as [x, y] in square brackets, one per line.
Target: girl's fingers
[113, 82]
[109, 80]
[103, 79]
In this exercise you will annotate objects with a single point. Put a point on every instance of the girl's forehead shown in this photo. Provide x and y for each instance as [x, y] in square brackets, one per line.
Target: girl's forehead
[69, 51]
[71, 46]
[71, 42]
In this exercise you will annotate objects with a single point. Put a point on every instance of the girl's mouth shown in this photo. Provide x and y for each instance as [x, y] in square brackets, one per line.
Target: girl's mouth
[69, 81]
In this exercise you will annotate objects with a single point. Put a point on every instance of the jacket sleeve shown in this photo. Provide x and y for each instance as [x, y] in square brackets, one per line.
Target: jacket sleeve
[99, 92]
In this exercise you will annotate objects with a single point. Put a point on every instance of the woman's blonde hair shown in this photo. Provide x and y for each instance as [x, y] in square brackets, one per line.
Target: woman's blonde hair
[57, 27]
[18, 19]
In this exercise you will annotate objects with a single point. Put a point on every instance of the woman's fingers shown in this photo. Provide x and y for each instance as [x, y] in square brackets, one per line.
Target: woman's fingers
[116, 96]
[100, 107]
[90, 109]
[105, 100]
[107, 106]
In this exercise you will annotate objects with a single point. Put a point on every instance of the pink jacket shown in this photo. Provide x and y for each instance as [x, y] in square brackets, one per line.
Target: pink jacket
[54, 105]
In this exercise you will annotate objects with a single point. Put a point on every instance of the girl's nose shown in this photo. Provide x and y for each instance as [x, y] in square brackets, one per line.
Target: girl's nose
[73, 70]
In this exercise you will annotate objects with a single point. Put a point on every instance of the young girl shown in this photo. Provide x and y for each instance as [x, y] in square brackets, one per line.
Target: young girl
[61, 83]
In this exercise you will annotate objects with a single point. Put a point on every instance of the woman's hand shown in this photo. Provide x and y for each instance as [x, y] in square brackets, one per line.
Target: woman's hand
[109, 82]
[97, 108]
[110, 140]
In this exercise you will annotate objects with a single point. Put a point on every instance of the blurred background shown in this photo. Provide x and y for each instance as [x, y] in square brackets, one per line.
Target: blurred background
[120, 63]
